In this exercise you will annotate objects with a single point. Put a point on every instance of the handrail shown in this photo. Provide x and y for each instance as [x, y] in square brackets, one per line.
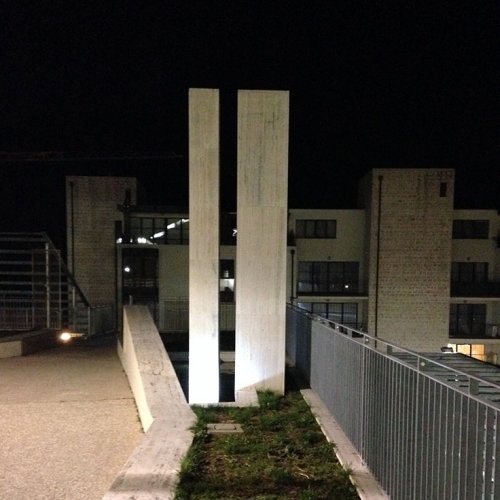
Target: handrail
[67, 271]
[422, 362]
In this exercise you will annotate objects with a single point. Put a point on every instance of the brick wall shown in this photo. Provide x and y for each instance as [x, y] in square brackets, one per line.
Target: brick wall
[95, 201]
[412, 264]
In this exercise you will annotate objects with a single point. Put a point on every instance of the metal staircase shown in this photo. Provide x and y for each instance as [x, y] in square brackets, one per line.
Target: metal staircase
[37, 290]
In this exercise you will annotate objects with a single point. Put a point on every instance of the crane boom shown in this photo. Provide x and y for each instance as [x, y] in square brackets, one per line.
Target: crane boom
[86, 156]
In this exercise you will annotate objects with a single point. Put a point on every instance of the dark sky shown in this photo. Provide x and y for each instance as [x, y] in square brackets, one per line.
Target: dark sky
[372, 84]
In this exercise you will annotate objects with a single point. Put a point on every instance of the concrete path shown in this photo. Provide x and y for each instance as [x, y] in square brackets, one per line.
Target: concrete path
[68, 422]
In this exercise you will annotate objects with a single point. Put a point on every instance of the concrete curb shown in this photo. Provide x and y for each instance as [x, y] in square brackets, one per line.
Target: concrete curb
[366, 485]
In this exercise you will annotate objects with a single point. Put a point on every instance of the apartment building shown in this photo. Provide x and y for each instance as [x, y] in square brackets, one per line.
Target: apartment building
[404, 266]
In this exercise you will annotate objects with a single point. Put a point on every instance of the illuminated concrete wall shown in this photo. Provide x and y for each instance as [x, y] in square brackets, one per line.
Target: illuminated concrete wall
[261, 246]
[204, 246]
[409, 260]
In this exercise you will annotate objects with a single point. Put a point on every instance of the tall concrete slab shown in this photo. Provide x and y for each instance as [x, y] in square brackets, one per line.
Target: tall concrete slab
[203, 246]
[261, 247]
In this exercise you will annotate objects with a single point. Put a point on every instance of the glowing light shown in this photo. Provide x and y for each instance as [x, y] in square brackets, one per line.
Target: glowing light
[126, 269]
[65, 336]
[119, 240]
[178, 223]
[159, 235]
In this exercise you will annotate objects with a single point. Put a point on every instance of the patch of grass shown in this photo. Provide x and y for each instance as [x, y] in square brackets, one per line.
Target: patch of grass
[282, 454]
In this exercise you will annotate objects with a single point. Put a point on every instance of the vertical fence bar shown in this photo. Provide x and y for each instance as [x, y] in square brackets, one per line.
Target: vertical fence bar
[489, 452]
[495, 493]
[47, 286]
[422, 433]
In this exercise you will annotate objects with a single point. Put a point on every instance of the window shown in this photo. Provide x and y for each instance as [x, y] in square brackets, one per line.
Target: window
[226, 280]
[140, 270]
[316, 228]
[343, 313]
[469, 272]
[163, 231]
[328, 277]
[467, 320]
[470, 229]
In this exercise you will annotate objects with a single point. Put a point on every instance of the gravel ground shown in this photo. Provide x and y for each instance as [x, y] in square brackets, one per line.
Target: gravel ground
[68, 422]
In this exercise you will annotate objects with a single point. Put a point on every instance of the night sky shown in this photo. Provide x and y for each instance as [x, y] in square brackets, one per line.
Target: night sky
[372, 84]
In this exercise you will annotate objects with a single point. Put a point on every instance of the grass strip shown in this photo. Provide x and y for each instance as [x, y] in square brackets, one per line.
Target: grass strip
[282, 454]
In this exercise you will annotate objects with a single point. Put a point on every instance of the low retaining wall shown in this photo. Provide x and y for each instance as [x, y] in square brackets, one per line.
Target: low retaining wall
[151, 473]
[22, 344]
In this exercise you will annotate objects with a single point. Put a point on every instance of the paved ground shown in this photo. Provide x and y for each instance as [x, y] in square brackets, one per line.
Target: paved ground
[68, 422]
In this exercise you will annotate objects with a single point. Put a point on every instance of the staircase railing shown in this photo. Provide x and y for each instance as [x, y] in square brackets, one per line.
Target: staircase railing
[37, 290]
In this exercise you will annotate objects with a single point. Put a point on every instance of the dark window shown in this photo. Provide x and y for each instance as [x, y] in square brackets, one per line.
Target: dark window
[467, 320]
[470, 229]
[228, 229]
[316, 228]
[328, 277]
[140, 270]
[442, 189]
[469, 272]
[343, 313]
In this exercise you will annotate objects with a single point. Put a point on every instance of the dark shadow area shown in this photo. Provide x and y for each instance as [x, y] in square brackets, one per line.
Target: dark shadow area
[179, 342]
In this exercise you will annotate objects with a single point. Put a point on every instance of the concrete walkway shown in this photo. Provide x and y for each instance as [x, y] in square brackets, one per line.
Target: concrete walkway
[68, 422]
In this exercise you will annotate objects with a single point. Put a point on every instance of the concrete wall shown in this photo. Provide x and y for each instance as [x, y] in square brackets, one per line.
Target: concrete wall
[204, 246]
[262, 234]
[413, 261]
[151, 473]
[173, 271]
[95, 201]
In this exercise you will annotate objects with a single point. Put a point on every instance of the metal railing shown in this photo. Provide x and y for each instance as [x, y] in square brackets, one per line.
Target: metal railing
[482, 289]
[426, 429]
[38, 291]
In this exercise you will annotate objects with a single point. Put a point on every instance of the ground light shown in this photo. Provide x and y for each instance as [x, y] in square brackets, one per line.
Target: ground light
[67, 336]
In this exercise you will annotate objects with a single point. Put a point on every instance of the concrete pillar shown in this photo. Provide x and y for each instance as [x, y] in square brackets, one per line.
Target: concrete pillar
[261, 245]
[203, 246]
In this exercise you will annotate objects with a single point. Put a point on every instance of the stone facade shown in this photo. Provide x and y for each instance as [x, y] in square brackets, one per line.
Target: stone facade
[91, 209]
[408, 255]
